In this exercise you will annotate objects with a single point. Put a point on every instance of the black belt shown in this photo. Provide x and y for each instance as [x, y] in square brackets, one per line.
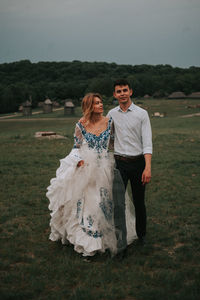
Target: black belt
[128, 158]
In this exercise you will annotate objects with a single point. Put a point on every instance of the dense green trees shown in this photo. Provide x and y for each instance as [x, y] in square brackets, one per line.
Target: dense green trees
[22, 80]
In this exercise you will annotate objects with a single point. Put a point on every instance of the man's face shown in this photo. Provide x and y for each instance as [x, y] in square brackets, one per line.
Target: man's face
[122, 93]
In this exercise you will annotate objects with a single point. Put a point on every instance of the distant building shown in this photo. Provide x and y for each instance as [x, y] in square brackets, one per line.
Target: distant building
[47, 106]
[177, 95]
[69, 108]
[27, 108]
[194, 95]
[20, 109]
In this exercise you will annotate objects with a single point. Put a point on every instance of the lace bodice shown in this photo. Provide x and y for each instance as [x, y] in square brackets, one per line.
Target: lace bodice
[98, 143]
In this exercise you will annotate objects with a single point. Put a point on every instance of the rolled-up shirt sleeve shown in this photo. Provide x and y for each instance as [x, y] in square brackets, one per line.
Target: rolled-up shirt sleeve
[146, 135]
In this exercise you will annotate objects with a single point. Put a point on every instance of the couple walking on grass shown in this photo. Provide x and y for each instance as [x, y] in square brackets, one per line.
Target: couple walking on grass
[89, 205]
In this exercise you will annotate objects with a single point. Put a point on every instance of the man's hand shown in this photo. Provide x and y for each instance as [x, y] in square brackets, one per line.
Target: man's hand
[80, 163]
[146, 176]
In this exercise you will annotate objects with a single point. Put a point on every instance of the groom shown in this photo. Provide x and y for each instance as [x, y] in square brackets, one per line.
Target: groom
[132, 151]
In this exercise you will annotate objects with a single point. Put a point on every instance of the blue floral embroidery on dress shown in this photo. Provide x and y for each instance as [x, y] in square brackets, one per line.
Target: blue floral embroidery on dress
[94, 234]
[78, 210]
[100, 142]
[90, 221]
[106, 204]
[77, 142]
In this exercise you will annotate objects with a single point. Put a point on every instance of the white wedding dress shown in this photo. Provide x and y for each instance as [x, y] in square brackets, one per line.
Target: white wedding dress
[81, 204]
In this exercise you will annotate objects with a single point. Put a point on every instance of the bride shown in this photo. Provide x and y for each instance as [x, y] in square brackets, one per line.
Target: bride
[85, 195]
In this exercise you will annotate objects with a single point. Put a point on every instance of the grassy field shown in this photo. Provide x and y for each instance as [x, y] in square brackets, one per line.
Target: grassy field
[167, 267]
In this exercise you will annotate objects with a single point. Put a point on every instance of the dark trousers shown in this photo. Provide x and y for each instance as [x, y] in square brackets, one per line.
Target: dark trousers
[119, 211]
[133, 171]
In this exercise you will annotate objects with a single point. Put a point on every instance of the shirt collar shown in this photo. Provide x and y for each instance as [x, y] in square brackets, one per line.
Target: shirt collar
[131, 107]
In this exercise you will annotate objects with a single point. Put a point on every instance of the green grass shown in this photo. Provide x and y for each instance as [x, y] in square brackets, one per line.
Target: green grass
[32, 267]
[172, 108]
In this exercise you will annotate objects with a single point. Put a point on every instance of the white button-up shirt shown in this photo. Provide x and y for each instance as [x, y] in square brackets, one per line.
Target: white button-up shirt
[132, 131]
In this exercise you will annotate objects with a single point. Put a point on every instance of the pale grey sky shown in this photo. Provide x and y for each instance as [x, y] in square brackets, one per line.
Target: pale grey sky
[122, 31]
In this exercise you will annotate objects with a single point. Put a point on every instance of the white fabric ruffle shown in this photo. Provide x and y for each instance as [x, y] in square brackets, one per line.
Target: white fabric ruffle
[81, 203]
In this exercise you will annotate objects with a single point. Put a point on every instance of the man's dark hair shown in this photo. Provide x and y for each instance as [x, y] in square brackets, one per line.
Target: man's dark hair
[121, 82]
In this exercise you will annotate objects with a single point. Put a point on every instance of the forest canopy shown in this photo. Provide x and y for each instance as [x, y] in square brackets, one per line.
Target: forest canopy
[23, 80]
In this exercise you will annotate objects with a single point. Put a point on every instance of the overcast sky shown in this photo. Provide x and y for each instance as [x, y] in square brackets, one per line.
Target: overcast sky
[121, 31]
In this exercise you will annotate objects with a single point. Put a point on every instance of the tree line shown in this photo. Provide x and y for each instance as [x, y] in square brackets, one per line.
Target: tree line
[23, 80]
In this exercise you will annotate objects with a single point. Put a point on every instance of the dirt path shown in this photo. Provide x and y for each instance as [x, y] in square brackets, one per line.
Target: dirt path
[33, 113]
[190, 115]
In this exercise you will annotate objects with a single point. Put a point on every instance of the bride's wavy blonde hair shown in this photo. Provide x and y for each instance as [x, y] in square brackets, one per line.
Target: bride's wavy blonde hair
[87, 105]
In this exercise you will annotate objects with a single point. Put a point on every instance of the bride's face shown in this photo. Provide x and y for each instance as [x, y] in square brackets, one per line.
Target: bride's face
[97, 106]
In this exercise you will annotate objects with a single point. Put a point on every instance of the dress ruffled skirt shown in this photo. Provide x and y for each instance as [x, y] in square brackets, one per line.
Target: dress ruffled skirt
[82, 206]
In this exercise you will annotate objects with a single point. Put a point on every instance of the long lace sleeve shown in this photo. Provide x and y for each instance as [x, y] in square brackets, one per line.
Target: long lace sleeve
[78, 139]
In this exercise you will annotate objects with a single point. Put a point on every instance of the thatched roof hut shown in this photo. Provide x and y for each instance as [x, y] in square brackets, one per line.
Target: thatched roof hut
[69, 108]
[20, 109]
[177, 95]
[194, 95]
[27, 108]
[47, 107]
[146, 96]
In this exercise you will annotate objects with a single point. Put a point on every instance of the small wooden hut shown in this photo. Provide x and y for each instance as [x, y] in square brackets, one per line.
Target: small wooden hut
[177, 95]
[20, 109]
[69, 108]
[146, 96]
[47, 106]
[27, 108]
[195, 95]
